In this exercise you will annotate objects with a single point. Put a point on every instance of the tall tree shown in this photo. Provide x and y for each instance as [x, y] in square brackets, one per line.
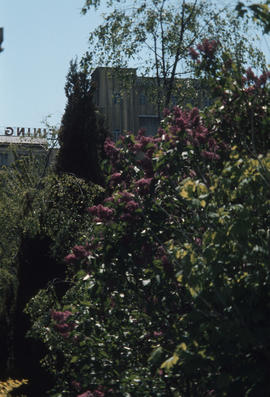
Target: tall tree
[82, 132]
[156, 35]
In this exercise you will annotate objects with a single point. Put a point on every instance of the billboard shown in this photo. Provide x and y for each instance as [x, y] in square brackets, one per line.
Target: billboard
[25, 132]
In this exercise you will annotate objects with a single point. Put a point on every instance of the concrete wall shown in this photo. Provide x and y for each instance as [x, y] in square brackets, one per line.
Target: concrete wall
[128, 101]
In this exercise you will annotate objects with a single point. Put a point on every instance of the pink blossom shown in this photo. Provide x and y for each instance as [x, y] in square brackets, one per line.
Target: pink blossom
[264, 77]
[195, 116]
[126, 217]
[103, 213]
[250, 74]
[61, 326]
[166, 112]
[143, 182]
[141, 132]
[193, 53]
[110, 149]
[70, 258]
[192, 173]
[98, 393]
[198, 241]
[125, 196]
[115, 177]
[76, 385]
[166, 264]
[208, 47]
[60, 317]
[131, 206]
[137, 146]
[250, 89]
[109, 200]
[80, 252]
[86, 394]
[210, 155]
[147, 165]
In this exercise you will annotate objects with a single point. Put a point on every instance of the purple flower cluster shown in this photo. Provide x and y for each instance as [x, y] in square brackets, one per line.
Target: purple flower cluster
[144, 144]
[125, 196]
[115, 178]
[129, 211]
[208, 48]
[187, 126]
[79, 252]
[127, 205]
[95, 393]
[61, 325]
[143, 185]
[210, 155]
[131, 206]
[147, 166]
[102, 213]
[258, 81]
[110, 149]
[86, 394]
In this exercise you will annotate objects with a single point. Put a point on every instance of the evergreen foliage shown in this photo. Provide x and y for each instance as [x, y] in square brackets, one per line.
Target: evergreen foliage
[82, 133]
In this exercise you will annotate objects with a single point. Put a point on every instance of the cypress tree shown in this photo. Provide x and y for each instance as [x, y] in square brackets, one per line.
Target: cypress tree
[82, 132]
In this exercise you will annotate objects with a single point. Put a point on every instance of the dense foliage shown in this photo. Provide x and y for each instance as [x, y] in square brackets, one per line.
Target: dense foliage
[169, 293]
[259, 11]
[41, 216]
[82, 132]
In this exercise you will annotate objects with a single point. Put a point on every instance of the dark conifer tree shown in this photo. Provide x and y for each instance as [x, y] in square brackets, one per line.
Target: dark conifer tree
[82, 132]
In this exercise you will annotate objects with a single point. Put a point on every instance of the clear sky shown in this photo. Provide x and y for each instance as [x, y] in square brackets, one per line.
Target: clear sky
[40, 39]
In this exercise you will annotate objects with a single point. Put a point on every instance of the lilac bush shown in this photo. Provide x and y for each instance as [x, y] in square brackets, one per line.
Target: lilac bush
[163, 290]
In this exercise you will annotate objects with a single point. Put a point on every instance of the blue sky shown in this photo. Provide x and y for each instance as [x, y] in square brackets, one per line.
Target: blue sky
[40, 39]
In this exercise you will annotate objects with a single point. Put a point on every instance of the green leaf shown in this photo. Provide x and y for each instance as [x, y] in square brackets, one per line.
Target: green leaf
[170, 362]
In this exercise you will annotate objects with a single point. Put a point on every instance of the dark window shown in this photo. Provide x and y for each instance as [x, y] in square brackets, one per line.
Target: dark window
[142, 99]
[3, 159]
[150, 124]
[116, 134]
[174, 100]
[116, 98]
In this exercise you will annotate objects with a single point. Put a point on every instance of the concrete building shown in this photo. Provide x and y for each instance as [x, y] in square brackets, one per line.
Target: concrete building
[123, 101]
[126, 100]
[14, 146]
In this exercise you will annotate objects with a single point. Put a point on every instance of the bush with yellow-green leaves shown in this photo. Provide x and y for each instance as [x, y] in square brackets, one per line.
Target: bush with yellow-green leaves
[9, 385]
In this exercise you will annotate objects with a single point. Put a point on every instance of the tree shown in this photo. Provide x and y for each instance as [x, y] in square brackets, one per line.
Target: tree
[260, 12]
[82, 133]
[157, 35]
